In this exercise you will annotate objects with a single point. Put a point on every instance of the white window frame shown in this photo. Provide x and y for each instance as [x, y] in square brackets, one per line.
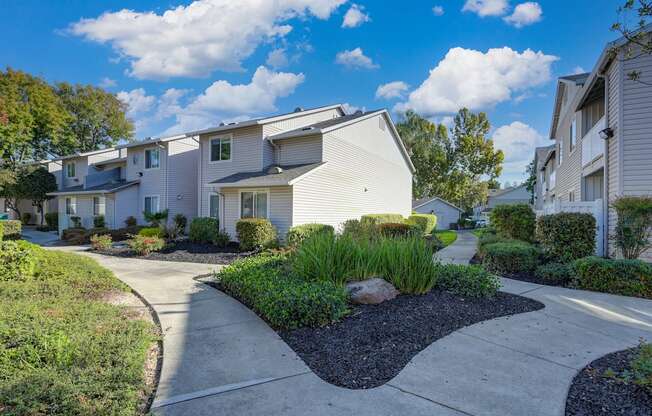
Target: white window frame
[151, 149]
[101, 205]
[73, 205]
[572, 131]
[210, 195]
[255, 191]
[74, 170]
[210, 148]
[158, 197]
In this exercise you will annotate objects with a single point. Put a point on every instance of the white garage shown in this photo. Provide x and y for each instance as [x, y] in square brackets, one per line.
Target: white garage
[446, 212]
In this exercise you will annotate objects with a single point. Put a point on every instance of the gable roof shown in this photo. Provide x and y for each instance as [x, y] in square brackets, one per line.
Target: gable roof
[327, 126]
[423, 201]
[152, 140]
[105, 188]
[503, 192]
[542, 155]
[289, 175]
[93, 152]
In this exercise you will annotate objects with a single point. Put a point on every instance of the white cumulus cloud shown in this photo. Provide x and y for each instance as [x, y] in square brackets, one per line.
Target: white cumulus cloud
[355, 16]
[108, 82]
[517, 141]
[524, 14]
[350, 109]
[438, 10]
[194, 40]
[138, 102]
[486, 7]
[355, 58]
[394, 89]
[277, 59]
[477, 80]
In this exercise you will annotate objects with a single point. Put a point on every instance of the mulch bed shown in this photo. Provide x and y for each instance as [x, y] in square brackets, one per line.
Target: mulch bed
[374, 343]
[524, 277]
[185, 251]
[594, 394]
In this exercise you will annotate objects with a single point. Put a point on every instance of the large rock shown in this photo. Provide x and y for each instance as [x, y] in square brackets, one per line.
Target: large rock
[371, 291]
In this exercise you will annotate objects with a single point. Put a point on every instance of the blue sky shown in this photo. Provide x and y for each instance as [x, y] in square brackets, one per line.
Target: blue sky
[183, 65]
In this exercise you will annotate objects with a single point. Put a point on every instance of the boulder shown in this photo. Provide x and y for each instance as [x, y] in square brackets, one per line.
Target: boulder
[371, 291]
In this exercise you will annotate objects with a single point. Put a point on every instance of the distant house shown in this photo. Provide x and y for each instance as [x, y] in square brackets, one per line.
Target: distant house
[446, 212]
[508, 196]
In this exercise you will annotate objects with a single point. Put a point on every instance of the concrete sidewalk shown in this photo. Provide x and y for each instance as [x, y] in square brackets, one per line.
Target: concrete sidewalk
[461, 251]
[220, 358]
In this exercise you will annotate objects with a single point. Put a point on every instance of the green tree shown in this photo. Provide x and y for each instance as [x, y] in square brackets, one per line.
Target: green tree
[451, 163]
[531, 181]
[639, 42]
[13, 188]
[98, 118]
[37, 183]
[33, 120]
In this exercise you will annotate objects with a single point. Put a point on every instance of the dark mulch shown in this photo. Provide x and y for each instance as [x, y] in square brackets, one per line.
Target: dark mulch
[522, 276]
[186, 251]
[594, 394]
[375, 342]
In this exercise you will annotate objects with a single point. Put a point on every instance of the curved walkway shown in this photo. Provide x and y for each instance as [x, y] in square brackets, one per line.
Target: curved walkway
[220, 358]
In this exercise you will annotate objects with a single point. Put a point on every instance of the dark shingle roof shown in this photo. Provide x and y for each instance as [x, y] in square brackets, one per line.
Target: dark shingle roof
[579, 79]
[317, 127]
[265, 178]
[102, 188]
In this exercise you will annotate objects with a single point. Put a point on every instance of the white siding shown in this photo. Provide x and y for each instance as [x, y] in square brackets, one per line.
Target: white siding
[569, 171]
[152, 181]
[613, 170]
[365, 173]
[182, 178]
[299, 150]
[445, 213]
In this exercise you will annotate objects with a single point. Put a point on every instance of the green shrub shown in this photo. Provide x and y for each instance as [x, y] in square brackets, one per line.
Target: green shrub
[514, 221]
[73, 234]
[203, 230]
[99, 222]
[359, 230]
[554, 273]
[255, 233]
[488, 239]
[101, 241]
[156, 219]
[145, 245]
[396, 229]
[131, 221]
[467, 280]
[634, 226]
[641, 367]
[285, 302]
[621, 277]
[566, 236]
[11, 229]
[297, 234]
[406, 263]
[377, 219]
[152, 232]
[76, 222]
[221, 239]
[16, 261]
[510, 257]
[52, 220]
[426, 222]
[434, 242]
[180, 222]
[25, 218]
[122, 234]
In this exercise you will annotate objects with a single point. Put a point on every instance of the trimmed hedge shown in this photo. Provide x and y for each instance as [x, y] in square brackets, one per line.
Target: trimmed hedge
[488, 239]
[395, 229]
[467, 280]
[514, 221]
[426, 222]
[297, 234]
[554, 273]
[11, 229]
[255, 233]
[619, 277]
[381, 218]
[203, 229]
[152, 232]
[16, 261]
[566, 236]
[285, 302]
[510, 257]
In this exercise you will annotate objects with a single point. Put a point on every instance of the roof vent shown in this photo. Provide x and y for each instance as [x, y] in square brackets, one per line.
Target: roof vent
[358, 113]
[307, 128]
[148, 138]
[275, 170]
[221, 124]
[230, 124]
[298, 109]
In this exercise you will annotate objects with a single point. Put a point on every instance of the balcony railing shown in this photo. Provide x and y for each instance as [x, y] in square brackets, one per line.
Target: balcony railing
[592, 144]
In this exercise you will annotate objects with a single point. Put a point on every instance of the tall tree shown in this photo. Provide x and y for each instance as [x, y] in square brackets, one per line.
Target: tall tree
[531, 181]
[38, 183]
[33, 120]
[98, 117]
[451, 163]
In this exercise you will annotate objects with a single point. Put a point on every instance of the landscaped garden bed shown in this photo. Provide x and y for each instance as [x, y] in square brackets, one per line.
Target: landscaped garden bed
[618, 384]
[73, 338]
[183, 251]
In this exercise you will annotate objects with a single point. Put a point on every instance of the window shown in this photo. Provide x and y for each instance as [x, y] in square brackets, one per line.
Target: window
[571, 196]
[152, 204]
[561, 151]
[70, 170]
[214, 206]
[152, 158]
[71, 206]
[99, 203]
[573, 134]
[220, 149]
[253, 204]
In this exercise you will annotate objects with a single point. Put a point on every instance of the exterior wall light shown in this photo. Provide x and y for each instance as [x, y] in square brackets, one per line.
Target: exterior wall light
[606, 133]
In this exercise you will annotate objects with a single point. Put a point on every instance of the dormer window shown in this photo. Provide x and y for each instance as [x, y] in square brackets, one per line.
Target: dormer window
[152, 158]
[220, 149]
[70, 170]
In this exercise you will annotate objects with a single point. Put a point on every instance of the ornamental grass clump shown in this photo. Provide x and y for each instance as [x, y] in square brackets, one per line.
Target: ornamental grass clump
[406, 263]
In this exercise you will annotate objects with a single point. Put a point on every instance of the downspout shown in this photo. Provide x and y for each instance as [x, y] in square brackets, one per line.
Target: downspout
[277, 149]
[605, 185]
[167, 159]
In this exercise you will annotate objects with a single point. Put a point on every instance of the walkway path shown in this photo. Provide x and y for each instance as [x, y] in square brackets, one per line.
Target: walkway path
[461, 251]
[220, 358]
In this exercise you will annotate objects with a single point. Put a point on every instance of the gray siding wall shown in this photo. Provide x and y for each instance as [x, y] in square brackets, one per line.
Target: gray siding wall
[153, 181]
[182, 178]
[615, 78]
[444, 212]
[126, 204]
[300, 150]
[365, 173]
[569, 170]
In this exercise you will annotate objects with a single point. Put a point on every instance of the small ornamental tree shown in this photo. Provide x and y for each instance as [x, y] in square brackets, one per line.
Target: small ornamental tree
[634, 225]
[38, 184]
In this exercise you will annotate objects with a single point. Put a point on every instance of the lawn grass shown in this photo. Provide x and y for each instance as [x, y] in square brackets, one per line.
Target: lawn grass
[63, 350]
[447, 237]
